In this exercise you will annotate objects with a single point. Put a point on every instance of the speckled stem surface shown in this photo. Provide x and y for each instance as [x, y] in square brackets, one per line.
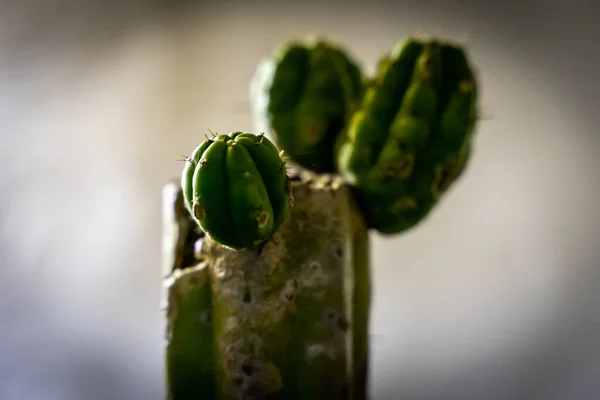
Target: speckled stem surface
[286, 320]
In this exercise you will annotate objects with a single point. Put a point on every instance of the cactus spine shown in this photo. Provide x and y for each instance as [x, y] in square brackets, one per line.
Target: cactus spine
[284, 320]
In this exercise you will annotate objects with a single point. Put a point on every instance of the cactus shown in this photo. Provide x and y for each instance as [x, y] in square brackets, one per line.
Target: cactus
[266, 299]
[286, 320]
[411, 138]
[237, 189]
[304, 95]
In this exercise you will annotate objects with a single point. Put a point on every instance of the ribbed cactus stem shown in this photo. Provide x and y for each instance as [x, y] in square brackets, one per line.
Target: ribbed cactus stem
[303, 95]
[289, 319]
[188, 305]
[411, 138]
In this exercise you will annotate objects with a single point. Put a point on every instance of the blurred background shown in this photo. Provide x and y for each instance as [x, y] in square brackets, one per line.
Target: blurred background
[495, 296]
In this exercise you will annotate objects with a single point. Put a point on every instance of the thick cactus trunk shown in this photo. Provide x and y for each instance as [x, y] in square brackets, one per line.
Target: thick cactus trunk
[286, 320]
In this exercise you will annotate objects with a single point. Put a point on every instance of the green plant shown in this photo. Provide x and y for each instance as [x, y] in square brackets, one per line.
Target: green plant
[310, 89]
[411, 138]
[237, 189]
[269, 298]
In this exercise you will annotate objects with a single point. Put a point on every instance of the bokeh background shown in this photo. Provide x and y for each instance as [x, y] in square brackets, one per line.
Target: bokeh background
[495, 296]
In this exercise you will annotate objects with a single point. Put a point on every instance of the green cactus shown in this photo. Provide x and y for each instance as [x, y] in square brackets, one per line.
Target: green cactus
[304, 95]
[237, 189]
[411, 138]
[287, 320]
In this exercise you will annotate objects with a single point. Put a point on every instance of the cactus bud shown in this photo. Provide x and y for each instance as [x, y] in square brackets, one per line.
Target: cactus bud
[237, 189]
[410, 140]
[304, 95]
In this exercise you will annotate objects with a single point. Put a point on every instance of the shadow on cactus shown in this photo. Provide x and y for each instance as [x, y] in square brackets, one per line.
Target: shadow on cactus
[236, 188]
[304, 94]
[411, 138]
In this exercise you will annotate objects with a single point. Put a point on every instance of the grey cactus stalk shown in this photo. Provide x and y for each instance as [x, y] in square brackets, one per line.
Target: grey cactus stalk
[284, 320]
